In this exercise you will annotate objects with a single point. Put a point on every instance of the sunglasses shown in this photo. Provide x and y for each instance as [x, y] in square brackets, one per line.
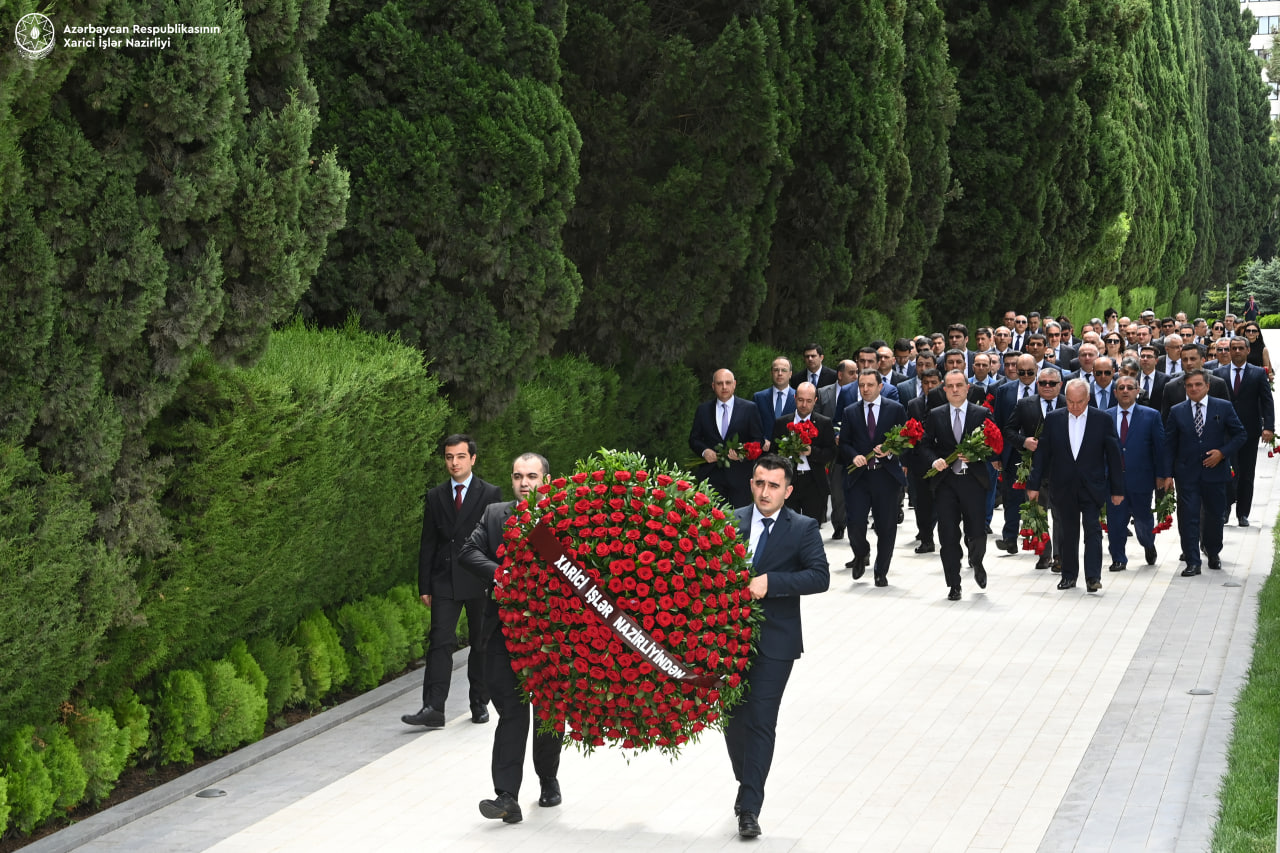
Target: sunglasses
[1027, 372]
[1047, 383]
[1104, 373]
[1251, 331]
[1113, 340]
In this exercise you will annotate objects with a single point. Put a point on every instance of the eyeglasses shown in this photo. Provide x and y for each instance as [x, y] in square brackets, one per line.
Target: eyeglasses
[1027, 372]
[1104, 373]
[1047, 383]
[1251, 331]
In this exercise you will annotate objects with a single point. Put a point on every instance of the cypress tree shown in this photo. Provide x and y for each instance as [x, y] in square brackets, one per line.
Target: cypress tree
[687, 115]
[464, 164]
[842, 208]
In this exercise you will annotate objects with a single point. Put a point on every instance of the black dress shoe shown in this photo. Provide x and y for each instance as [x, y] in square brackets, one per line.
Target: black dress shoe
[859, 567]
[1151, 555]
[1056, 565]
[924, 548]
[1011, 546]
[428, 716]
[1215, 563]
[902, 516]
[980, 575]
[837, 532]
[1243, 521]
[1093, 586]
[748, 826]
[1118, 567]
[1066, 584]
[550, 793]
[1043, 562]
[504, 807]
[954, 595]
[479, 714]
[881, 580]
[999, 544]
[988, 529]
[1191, 571]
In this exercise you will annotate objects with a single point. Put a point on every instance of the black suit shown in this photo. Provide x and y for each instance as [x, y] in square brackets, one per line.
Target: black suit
[796, 564]
[452, 589]
[1153, 387]
[826, 376]
[1256, 409]
[1082, 485]
[921, 492]
[809, 495]
[957, 497]
[731, 483]
[828, 399]
[875, 487]
[1026, 420]
[479, 555]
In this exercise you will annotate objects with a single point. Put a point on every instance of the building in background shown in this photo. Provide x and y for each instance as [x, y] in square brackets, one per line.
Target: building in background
[1267, 14]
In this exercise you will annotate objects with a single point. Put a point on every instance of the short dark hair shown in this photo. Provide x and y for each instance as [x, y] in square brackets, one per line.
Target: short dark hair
[459, 438]
[1031, 314]
[868, 350]
[958, 353]
[902, 345]
[1203, 373]
[985, 330]
[930, 373]
[774, 462]
[958, 327]
[815, 346]
[542, 460]
[877, 343]
[1065, 324]
[1012, 353]
[1036, 336]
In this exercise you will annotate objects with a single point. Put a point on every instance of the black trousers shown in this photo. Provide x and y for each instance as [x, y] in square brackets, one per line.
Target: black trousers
[1246, 465]
[515, 716]
[926, 515]
[877, 491]
[835, 485]
[1074, 509]
[752, 730]
[442, 642]
[809, 495]
[960, 499]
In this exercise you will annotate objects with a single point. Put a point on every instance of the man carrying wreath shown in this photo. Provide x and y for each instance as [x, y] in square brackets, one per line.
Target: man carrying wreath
[788, 561]
[479, 555]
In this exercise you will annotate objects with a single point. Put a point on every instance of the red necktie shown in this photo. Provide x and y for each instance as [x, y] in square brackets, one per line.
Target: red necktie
[457, 497]
[1124, 426]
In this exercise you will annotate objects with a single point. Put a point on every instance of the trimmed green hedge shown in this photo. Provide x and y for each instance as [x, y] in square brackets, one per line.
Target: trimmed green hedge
[296, 485]
[1269, 321]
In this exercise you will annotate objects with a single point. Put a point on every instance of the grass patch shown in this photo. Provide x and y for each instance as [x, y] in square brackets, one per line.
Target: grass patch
[1247, 810]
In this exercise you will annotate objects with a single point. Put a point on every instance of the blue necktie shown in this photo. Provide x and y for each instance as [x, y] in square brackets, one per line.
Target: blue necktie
[777, 404]
[760, 543]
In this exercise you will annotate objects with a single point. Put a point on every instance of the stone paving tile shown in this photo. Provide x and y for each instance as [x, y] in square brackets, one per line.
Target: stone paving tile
[1021, 718]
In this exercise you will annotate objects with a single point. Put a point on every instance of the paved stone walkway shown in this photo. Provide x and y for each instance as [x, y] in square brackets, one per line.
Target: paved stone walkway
[1019, 719]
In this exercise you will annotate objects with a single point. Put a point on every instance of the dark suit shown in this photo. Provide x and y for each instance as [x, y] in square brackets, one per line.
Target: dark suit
[957, 497]
[1164, 365]
[796, 565]
[452, 589]
[1197, 484]
[1025, 422]
[1155, 393]
[1143, 462]
[764, 401]
[1256, 409]
[876, 487]
[826, 376]
[828, 397]
[1082, 484]
[809, 495]
[1007, 397]
[1175, 391]
[731, 483]
[479, 555]
[1108, 395]
[921, 492]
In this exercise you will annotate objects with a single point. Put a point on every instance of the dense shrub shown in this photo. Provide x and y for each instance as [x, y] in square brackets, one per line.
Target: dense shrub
[31, 793]
[4, 804]
[134, 718]
[280, 666]
[365, 642]
[62, 761]
[237, 709]
[296, 485]
[184, 718]
[320, 656]
[413, 616]
[104, 748]
[61, 592]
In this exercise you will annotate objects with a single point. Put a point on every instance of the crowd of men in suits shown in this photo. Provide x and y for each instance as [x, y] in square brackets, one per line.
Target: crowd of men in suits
[1109, 420]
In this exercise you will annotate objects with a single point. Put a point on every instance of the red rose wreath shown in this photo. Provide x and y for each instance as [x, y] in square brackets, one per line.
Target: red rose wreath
[623, 597]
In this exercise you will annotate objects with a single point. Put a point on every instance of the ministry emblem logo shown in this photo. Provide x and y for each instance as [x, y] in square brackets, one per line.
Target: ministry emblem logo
[35, 35]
